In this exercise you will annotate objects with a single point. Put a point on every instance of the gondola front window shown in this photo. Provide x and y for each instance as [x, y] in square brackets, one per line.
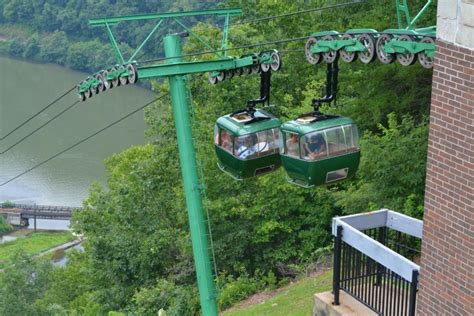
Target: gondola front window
[256, 145]
[336, 141]
[223, 139]
[314, 146]
[292, 147]
[351, 137]
[333, 141]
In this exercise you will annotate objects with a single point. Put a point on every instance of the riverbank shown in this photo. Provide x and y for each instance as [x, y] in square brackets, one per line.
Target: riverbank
[34, 244]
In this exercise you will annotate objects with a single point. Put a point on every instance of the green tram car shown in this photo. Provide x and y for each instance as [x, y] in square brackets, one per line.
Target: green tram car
[247, 143]
[319, 149]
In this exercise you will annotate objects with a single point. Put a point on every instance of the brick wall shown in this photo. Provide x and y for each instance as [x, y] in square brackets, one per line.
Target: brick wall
[447, 260]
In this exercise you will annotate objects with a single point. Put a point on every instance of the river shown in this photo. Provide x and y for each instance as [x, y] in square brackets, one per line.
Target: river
[26, 88]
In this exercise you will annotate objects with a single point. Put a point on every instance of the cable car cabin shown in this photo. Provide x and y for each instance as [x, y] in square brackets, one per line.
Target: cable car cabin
[247, 145]
[319, 149]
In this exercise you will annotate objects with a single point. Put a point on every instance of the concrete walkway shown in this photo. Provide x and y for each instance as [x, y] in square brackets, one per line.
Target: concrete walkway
[64, 246]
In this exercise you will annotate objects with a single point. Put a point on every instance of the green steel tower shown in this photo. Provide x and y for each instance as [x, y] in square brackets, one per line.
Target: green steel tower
[176, 70]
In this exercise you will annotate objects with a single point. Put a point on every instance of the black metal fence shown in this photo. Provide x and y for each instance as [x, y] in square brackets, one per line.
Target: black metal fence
[369, 282]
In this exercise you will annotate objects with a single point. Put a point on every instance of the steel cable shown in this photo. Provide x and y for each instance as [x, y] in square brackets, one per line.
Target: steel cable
[298, 12]
[259, 20]
[37, 113]
[46, 123]
[83, 140]
[287, 40]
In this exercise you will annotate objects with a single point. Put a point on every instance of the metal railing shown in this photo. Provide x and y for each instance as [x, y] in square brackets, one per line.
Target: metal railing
[41, 207]
[372, 260]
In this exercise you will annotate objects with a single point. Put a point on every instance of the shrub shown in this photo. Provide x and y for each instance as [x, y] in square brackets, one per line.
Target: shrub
[236, 290]
[4, 226]
[7, 204]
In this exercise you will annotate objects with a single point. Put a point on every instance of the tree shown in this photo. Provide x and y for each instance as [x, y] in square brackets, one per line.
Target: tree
[32, 48]
[69, 288]
[4, 226]
[392, 169]
[18, 10]
[22, 284]
[54, 48]
[16, 47]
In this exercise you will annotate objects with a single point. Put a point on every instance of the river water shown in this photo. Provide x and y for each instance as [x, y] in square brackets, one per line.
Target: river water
[25, 89]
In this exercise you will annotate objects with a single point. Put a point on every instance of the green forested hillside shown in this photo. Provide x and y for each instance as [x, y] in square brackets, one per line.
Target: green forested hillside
[58, 32]
[138, 256]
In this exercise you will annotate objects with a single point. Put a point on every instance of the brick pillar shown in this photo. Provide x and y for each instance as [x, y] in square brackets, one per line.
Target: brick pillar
[447, 257]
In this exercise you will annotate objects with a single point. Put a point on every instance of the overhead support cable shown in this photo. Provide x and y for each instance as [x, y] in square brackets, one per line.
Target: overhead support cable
[193, 34]
[224, 50]
[299, 12]
[83, 140]
[38, 113]
[145, 40]
[37, 129]
[287, 40]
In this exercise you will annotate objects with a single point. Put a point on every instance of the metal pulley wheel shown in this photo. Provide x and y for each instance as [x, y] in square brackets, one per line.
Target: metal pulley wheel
[238, 71]
[212, 79]
[369, 43]
[88, 93]
[94, 89]
[108, 84]
[425, 61]
[346, 56]
[407, 58]
[265, 67]
[221, 76]
[313, 59]
[384, 57]
[81, 95]
[229, 74]
[330, 56]
[122, 78]
[115, 82]
[102, 86]
[276, 65]
[133, 77]
[255, 68]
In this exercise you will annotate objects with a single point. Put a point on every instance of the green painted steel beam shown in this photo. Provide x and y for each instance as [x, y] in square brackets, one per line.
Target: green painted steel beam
[193, 34]
[361, 31]
[187, 159]
[397, 46]
[402, 8]
[117, 52]
[225, 34]
[422, 11]
[320, 34]
[429, 30]
[352, 45]
[145, 41]
[116, 19]
[183, 68]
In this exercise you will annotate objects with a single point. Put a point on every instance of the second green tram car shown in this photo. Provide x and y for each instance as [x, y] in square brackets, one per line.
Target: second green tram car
[319, 149]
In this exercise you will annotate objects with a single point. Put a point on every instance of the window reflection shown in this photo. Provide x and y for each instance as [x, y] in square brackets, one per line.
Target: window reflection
[292, 145]
[314, 146]
[226, 140]
[330, 142]
[258, 144]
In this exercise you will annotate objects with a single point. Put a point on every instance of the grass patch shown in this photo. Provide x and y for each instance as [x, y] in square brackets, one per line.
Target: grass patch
[32, 244]
[295, 299]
